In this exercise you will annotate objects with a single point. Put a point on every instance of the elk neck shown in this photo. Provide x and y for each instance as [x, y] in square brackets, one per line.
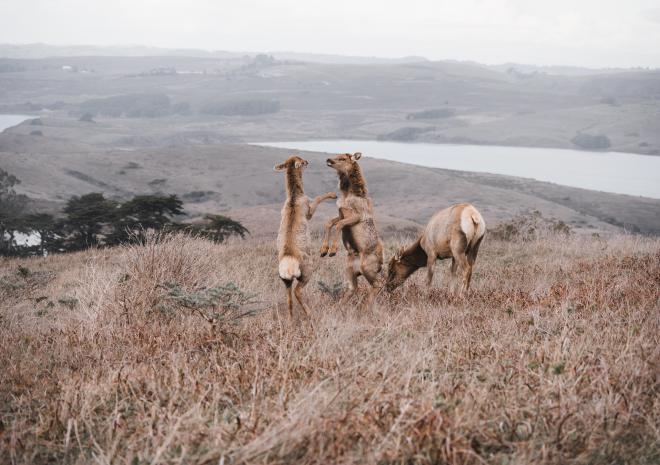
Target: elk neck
[353, 182]
[414, 256]
[294, 184]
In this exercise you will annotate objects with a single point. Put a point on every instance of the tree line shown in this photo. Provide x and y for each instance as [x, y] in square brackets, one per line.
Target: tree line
[92, 220]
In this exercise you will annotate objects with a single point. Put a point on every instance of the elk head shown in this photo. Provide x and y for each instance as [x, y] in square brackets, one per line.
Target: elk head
[397, 271]
[293, 162]
[343, 163]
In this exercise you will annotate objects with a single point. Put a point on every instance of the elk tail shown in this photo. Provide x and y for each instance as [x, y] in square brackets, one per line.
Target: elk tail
[479, 226]
[472, 225]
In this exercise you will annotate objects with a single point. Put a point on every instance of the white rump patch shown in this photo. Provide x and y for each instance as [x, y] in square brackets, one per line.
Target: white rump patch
[472, 224]
[289, 268]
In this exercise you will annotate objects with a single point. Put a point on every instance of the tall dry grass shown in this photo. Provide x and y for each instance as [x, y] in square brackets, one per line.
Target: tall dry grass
[553, 358]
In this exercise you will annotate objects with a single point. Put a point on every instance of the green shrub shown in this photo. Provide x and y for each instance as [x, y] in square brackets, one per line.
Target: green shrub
[591, 142]
[432, 114]
[222, 304]
[242, 108]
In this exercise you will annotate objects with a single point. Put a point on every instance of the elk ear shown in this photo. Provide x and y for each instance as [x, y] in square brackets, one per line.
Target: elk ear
[356, 156]
[280, 167]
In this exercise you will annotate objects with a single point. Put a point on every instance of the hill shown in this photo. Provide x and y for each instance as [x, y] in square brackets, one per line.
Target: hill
[463, 102]
[123, 158]
[551, 358]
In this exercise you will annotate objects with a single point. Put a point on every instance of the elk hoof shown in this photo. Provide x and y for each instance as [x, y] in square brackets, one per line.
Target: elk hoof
[324, 253]
[332, 254]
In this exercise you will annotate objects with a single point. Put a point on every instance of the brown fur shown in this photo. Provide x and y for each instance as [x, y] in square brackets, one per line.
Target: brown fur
[357, 227]
[455, 232]
[293, 236]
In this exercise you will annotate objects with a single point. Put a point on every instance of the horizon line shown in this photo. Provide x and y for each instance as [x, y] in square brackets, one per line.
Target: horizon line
[327, 54]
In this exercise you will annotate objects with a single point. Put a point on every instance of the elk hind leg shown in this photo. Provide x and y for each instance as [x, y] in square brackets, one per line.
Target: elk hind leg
[352, 273]
[289, 296]
[370, 266]
[472, 257]
[302, 282]
[459, 248]
[430, 263]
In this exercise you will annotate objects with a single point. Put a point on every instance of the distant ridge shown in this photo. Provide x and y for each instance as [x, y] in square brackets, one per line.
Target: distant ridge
[39, 50]
[344, 59]
[561, 70]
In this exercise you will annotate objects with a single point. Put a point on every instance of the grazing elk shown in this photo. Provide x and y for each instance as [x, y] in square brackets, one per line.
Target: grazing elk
[454, 232]
[356, 225]
[293, 236]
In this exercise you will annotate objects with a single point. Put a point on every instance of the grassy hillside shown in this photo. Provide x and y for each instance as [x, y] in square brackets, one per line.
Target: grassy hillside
[108, 357]
[121, 158]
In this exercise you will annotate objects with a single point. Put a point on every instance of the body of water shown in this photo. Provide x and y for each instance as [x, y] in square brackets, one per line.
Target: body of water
[7, 121]
[621, 173]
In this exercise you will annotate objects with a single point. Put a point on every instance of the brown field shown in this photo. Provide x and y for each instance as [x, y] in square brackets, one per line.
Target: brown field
[553, 358]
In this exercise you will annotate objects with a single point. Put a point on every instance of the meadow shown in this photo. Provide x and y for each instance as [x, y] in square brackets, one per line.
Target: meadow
[180, 351]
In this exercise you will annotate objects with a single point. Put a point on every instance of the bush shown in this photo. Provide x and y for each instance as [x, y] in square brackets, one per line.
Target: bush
[198, 196]
[169, 274]
[9, 67]
[334, 290]
[405, 134]
[242, 108]
[591, 142]
[217, 228]
[432, 114]
[219, 305]
[528, 227]
[131, 105]
[86, 118]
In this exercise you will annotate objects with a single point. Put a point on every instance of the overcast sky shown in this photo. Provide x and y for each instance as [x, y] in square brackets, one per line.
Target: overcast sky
[594, 33]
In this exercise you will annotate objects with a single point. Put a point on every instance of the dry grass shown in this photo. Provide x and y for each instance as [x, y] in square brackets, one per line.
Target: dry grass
[553, 358]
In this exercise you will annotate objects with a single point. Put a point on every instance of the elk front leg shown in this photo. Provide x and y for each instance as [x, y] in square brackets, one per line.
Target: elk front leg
[326, 234]
[350, 219]
[321, 198]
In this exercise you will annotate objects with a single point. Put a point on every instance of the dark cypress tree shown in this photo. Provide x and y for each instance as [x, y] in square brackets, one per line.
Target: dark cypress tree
[86, 217]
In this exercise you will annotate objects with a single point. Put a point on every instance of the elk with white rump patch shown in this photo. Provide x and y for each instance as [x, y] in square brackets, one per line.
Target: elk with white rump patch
[293, 237]
[455, 232]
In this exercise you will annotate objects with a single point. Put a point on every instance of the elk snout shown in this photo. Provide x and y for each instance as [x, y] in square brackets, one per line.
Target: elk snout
[329, 162]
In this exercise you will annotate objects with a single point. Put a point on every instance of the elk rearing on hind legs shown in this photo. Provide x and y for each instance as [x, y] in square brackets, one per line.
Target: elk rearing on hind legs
[293, 237]
[356, 225]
